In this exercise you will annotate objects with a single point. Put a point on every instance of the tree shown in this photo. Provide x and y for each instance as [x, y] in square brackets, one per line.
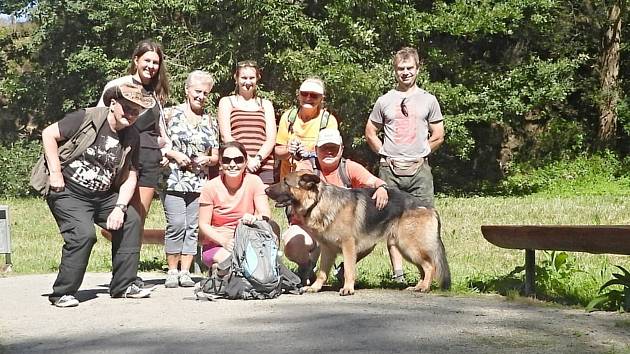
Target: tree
[515, 78]
[609, 74]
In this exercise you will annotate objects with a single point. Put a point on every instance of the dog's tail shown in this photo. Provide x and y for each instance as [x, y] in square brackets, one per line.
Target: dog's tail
[443, 272]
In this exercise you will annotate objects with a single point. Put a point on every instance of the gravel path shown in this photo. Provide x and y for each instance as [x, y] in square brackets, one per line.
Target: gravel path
[372, 321]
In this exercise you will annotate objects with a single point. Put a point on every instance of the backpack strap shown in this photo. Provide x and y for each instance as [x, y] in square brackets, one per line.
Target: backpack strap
[324, 122]
[343, 174]
[343, 171]
[293, 113]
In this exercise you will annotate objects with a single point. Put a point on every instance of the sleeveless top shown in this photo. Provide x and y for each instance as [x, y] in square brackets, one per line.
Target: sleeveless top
[249, 129]
[148, 123]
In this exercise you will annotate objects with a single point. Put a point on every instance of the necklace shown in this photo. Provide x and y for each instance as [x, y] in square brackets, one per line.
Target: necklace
[191, 117]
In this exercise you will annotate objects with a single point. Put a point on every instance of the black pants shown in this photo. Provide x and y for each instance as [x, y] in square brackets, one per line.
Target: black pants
[76, 212]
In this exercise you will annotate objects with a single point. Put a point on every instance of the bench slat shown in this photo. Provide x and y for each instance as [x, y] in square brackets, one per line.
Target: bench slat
[614, 239]
[149, 236]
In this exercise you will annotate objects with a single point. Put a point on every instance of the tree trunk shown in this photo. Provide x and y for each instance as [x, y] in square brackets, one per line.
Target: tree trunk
[609, 75]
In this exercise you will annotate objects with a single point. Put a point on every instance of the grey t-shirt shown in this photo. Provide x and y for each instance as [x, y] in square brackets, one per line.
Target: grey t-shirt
[406, 137]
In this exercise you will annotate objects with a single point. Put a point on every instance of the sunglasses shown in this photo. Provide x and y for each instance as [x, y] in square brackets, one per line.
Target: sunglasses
[237, 160]
[313, 95]
[247, 63]
[403, 107]
[132, 110]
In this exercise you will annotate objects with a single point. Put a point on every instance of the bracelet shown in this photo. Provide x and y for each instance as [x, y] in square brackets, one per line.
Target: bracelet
[382, 185]
[122, 207]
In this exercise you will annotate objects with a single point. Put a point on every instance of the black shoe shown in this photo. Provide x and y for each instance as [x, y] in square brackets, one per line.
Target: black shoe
[139, 282]
[400, 279]
[339, 274]
[306, 274]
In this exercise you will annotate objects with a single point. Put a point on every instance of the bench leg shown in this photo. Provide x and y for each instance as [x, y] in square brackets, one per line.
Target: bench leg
[530, 272]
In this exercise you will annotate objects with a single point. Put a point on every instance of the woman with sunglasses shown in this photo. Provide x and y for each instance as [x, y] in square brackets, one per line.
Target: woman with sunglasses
[227, 199]
[195, 139]
[299, 128]
[147, 68]
[250, 120]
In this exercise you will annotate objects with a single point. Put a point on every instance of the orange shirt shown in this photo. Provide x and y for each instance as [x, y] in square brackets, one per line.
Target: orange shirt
[228, 209]
[359, 176]
[306, 132]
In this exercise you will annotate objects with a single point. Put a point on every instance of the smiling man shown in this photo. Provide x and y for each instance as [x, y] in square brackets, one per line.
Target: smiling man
[413, 127]
[92, 177]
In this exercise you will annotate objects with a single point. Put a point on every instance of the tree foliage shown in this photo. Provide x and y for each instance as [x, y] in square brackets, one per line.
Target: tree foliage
[516, 79]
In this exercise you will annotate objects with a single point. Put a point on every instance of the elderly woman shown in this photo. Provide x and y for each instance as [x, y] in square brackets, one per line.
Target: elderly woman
[250, 120]
[195, 143]
[225, 200]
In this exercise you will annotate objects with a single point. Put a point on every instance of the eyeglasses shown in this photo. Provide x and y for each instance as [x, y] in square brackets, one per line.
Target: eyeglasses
[247, 63]
[403, 107]
[226, 160]
[312, 95]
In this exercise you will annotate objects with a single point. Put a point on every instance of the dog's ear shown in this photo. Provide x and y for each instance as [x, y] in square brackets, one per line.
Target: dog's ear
[309, 181]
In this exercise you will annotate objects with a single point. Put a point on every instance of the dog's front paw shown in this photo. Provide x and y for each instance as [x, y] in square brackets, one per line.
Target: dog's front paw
[311, 289]
[346, 291]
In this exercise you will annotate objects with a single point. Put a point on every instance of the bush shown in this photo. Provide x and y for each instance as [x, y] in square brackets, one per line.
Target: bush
[603, 174]
[17, 159]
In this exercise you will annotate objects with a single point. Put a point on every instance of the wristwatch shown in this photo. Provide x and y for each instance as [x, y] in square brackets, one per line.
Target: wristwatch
[122, 207]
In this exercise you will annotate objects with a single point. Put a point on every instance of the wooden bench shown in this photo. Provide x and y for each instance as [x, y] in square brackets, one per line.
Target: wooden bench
[156, 237]
[614, 239]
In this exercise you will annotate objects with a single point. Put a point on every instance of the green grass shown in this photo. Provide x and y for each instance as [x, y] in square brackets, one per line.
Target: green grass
[476, 265]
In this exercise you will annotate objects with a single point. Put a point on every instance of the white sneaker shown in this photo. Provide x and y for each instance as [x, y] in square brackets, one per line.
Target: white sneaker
[185, 280]
[67, 301]
[172, 279]
[134, 292]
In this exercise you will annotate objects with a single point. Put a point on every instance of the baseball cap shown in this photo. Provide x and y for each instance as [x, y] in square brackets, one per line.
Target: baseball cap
[312, 86]
[329, 136]
[131, 92]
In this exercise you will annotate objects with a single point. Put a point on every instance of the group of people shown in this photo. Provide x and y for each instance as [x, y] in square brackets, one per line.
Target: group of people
[105, 164]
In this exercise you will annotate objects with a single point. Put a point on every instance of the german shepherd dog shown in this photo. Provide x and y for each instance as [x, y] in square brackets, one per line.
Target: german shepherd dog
[347, 221]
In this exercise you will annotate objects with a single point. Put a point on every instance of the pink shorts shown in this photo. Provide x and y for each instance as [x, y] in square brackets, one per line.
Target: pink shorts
[208, 252]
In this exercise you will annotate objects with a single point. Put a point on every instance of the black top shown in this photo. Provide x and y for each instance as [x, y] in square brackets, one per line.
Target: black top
[97, 168]
[147, 123]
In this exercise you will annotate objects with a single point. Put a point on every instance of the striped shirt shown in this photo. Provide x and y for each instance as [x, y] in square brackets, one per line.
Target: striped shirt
[248, 128]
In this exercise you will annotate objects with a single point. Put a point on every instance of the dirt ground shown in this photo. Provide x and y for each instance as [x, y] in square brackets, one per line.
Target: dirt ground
[372, 321]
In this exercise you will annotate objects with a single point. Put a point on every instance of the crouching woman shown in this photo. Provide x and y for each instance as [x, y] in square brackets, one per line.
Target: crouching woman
[225, 200]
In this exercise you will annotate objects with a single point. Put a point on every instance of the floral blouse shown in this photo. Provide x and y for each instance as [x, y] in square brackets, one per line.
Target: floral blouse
[192, 140]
